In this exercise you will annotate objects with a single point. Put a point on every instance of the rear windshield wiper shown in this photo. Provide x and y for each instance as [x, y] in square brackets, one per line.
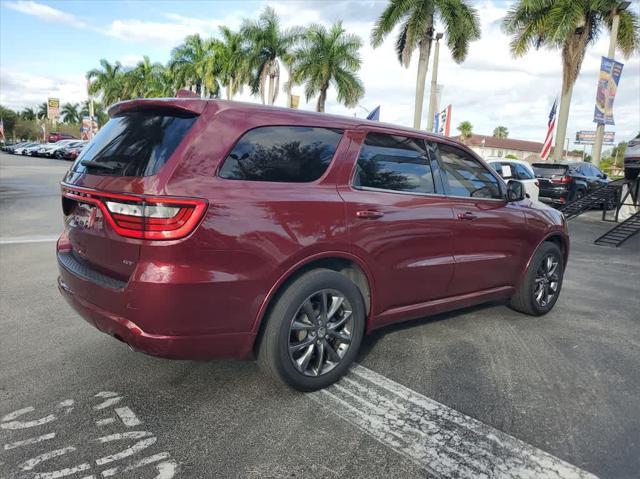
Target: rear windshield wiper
[97, 164]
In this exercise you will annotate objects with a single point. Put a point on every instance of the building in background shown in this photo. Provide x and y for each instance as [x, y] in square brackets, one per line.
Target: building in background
[492, 148]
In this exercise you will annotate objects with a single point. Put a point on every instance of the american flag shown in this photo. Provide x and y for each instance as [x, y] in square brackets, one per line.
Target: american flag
[551, 125]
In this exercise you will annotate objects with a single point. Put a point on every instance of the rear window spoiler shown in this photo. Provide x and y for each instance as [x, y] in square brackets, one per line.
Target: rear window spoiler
[185, 105]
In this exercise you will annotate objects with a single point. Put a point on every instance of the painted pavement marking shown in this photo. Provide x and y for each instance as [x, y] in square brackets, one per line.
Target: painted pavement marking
[441, 440]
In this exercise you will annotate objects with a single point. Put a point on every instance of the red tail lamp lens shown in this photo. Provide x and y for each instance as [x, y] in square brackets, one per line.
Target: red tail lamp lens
[563, 180]
[155, 218]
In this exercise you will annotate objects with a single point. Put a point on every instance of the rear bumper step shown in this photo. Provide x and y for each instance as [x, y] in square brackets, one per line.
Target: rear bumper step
[81, 269]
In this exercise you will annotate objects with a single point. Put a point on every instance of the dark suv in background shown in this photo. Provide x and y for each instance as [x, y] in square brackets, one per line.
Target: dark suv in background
[206, 228]
[564, 182]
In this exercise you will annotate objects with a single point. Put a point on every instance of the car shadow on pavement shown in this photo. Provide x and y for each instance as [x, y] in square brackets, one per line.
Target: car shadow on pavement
[370, 341]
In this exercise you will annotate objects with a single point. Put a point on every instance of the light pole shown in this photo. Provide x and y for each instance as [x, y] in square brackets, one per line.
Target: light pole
[615, 24]
[434, 83]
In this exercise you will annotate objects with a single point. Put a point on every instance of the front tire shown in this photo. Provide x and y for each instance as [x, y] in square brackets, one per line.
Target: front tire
[542, 283]
[314, 330]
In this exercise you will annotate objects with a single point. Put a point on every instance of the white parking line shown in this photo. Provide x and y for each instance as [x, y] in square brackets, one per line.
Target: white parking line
[27, 239]
[441, 440]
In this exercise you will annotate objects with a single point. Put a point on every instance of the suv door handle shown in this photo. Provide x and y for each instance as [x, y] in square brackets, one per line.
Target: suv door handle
[466, 216]
[369, 214]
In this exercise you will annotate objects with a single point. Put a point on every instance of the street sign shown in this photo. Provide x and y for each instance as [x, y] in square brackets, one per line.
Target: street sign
[53, 108]
[589, 137]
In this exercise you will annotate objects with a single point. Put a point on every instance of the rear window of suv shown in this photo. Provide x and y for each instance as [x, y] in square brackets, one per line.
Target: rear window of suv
[134, 143]
[549, 170]
[293, 154]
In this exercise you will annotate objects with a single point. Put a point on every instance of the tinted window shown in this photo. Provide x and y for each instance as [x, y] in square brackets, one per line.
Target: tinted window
[497, 167]
[523, 172]
[465, 176]
[549, 170]
[294, 154]
[393, 162]
[134, 143]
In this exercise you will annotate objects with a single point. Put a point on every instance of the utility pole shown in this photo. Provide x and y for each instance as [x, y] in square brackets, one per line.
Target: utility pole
[434, 84]
[615, 25]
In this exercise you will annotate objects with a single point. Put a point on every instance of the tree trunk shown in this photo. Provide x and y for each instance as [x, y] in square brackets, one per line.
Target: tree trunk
[572, 56]
[229, 90]
[322, 99]
[272, 84]
[423, 65]
[563, 118]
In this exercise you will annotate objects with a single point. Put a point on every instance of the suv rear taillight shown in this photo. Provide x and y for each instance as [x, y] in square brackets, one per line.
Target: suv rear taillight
[144, 217]
[563, 180]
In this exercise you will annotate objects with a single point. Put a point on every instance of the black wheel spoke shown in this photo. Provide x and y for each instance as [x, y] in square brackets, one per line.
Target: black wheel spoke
[333, 355]
[302, 344]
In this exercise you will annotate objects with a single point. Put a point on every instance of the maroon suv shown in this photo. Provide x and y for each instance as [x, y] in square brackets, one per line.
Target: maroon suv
[204, 228]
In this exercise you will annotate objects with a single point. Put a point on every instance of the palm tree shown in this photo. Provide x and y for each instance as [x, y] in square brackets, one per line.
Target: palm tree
[98, 111]
[145, 79]
[70, 113]
[417, 18]
[268, 44]
[187, 63]
[329, 57]
[500, 132]
[28, 114]
[571, 26]
[466, 130]
[42, 110]
[108, 81]
[233, 62]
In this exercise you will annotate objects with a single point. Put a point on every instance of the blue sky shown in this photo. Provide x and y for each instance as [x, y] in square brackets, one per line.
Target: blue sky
[46, 47]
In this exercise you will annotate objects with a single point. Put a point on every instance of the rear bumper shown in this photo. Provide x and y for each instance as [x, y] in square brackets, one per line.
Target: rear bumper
[197, 346]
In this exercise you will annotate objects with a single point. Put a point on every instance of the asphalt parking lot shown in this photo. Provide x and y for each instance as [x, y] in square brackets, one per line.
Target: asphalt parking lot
[427, 400]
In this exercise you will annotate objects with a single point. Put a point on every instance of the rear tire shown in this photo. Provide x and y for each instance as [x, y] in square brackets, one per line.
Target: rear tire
[542, 282]
[309, 346]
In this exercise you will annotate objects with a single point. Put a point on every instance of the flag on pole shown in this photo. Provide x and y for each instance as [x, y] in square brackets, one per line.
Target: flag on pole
[375, 114]
[1, 129]
[551, 125]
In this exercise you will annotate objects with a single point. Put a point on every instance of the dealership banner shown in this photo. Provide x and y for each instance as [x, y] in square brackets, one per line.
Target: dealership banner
[88, 128]
[53, 108]
[442, 122]
[589, 137]
[610, 71]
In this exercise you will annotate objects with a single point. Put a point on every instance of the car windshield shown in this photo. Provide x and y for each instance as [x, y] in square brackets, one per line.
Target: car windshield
[542, 170]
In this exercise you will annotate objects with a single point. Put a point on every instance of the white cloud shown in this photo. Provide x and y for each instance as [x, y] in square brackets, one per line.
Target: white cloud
[45, 12]
[19, 90]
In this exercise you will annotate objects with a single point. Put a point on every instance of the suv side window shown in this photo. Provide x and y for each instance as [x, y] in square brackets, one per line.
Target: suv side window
[523, 173]
[465, 176]
[397, 163]
[294, 154]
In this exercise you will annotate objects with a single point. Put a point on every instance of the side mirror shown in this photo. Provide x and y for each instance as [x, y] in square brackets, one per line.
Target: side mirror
[515, 191]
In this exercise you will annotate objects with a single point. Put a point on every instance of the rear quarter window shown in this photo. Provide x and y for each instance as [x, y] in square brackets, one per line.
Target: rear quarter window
[293, 154]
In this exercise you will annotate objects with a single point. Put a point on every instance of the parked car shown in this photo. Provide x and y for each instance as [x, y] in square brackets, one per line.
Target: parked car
[64, 153]
[632, 159]
[12, 148]
[48, 150]
[19, 150]
[205, 228]
[31, 150]
[73, 150]
[518, 170]
[563, 182]
[55, 136]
